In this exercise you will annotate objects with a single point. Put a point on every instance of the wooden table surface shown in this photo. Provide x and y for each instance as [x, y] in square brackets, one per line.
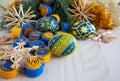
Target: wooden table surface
[91, 62]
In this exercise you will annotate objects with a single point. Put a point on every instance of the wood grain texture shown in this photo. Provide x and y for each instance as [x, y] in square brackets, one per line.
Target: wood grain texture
[86, 64]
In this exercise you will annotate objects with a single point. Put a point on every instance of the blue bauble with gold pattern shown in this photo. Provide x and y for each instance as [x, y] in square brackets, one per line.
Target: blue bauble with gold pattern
[62, 44]
[47, 24]
[83, 30]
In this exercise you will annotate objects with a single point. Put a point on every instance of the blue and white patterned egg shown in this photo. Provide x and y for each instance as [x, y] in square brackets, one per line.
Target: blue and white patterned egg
[47, 24]
[83, 30]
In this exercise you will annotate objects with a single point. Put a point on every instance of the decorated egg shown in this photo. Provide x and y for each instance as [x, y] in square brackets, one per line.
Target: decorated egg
[59, 32]
[83, 30]
[45, 10]
[62, 44]
[47, 24]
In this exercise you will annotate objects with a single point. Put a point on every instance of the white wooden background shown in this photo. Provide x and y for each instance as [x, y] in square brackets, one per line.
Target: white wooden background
[91, 62]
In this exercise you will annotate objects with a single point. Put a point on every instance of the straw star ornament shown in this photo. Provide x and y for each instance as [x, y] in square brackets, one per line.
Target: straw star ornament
[81, 10]
[17, 17]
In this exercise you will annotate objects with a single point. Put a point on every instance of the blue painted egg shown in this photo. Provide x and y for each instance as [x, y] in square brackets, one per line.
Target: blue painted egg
[62, 44]
[83, 30]
[47, 24]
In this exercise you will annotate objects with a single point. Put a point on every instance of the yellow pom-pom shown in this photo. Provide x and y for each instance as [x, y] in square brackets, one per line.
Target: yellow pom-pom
[16, 32]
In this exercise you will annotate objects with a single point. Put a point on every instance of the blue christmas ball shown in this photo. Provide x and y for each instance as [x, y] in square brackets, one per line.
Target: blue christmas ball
[83, 30]
[62, 44]
[48, 24]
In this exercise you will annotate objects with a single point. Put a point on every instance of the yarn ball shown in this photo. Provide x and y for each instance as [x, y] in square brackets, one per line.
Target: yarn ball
[21, 39]
[35, 35]
[62, 44]
[16, 32]
[38, 43]
[64, 26]
[6, 71]
[83, 30]
[48, 24]
[34, 68]
[27, 28]
[46, 37]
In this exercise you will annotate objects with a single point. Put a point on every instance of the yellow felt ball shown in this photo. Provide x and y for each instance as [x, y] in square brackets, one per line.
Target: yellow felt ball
[15, 32]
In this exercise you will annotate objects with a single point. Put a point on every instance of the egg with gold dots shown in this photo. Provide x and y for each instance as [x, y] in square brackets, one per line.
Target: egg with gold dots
[83, 30]
[62, 44]
[48, 24]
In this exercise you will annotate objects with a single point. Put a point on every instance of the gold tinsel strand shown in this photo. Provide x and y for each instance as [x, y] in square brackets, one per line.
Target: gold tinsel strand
[102, 19]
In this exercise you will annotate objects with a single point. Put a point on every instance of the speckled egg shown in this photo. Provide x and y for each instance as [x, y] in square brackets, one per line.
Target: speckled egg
[83, 30]
[47, 24]
[62, 44]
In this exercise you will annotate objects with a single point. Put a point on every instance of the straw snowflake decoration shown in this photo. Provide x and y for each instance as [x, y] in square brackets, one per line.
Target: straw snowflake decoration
[17, 17]
[16, 54]
[5, 40]
[81, 10]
